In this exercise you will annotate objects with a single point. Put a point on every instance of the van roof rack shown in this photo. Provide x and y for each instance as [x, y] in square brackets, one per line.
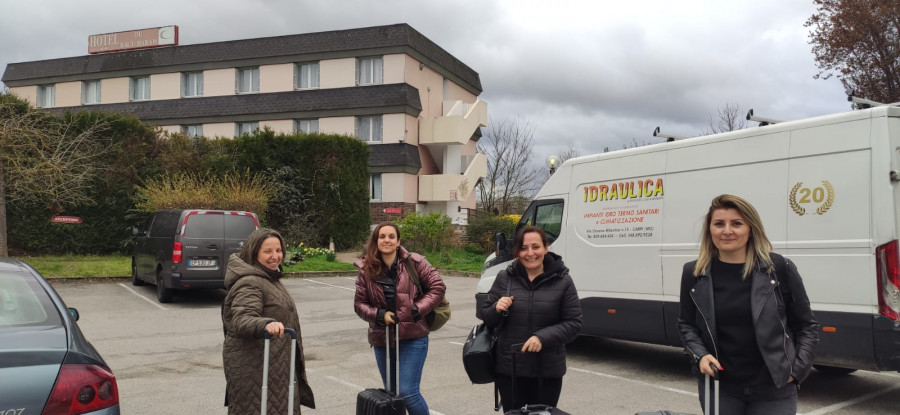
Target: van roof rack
[668, 137]
[763, 121]
[862, 103]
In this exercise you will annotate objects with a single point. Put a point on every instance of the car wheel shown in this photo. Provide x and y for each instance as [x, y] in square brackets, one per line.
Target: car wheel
[834, 370]
[137, 282]
[163, 294]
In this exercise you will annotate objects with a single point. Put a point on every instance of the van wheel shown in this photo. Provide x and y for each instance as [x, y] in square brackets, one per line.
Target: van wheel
[163, 294]
[834, 370]
[137, 282]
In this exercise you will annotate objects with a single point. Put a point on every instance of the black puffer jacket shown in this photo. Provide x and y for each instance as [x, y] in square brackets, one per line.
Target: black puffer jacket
[548, 307]
[786, 329]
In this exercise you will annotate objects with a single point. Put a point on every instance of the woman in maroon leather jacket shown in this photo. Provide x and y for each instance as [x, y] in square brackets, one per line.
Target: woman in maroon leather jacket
[385, 295]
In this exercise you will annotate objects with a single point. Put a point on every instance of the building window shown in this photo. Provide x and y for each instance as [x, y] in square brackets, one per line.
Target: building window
[90, 92]
[192, 130]
[375, 187]
[46, 96]
[368, 128]
[247, 80]
[306, 75]
[192, 84]
[306, 126]
[241, 128]
[369, 71]
[140, 88]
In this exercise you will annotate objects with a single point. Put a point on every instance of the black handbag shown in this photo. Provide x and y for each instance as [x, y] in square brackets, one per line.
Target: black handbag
[478, 352]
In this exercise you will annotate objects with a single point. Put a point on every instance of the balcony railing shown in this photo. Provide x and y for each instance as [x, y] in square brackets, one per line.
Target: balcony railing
[451, 187]
[457, 126]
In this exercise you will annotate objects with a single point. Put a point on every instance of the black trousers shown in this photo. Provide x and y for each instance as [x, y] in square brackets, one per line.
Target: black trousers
[528, 391]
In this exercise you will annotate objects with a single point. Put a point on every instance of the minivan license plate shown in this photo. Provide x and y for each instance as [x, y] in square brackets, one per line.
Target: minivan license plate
[201, 262]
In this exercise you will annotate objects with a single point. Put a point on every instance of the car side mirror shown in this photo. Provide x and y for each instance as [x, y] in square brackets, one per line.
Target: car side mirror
[74, 313]
[500, 243]
[137, 232]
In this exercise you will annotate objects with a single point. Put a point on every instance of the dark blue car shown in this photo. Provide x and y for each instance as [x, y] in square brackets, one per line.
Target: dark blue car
[46, 365]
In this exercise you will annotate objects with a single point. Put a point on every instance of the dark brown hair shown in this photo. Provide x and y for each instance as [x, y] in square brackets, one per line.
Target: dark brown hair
[520, 237]
[373, 265]
[250, 250]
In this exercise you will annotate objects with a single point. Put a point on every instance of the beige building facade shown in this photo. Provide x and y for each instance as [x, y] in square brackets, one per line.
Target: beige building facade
[415, 104]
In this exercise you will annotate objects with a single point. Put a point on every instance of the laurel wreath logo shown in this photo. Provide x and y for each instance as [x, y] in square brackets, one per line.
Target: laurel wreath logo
[799, 210]
[829, 200]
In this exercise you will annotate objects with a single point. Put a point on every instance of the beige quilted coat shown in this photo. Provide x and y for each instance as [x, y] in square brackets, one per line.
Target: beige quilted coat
[255, 299]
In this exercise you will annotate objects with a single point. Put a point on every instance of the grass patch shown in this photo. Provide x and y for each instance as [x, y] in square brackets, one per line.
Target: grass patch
[455, 259]
[319, 263]
[62, 266]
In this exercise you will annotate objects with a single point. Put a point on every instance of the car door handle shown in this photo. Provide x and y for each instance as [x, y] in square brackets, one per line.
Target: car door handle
[213, 246]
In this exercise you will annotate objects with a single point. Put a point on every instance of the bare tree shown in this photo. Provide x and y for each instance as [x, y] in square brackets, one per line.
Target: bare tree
[45, 159]
[512, 172]
[728, 118]
[569, 153]
[634, 143]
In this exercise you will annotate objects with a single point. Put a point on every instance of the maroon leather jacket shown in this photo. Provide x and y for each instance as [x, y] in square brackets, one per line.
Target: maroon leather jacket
[370, 297]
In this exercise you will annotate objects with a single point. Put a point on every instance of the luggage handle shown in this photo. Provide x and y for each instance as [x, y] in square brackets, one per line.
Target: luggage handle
[265, 379]
[387, 357]
[715, 376]
[516, 349]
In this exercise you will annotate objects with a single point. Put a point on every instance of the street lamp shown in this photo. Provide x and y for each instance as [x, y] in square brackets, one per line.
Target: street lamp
[552, 162]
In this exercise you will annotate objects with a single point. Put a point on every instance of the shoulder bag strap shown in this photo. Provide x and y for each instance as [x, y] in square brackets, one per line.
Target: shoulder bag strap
[413, 275]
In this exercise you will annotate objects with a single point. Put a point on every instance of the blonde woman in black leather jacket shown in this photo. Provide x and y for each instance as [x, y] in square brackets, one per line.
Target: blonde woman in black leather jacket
[738, 314]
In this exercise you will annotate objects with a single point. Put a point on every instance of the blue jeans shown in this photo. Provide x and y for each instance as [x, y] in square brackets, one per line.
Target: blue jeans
[753, 400]
[412, 360]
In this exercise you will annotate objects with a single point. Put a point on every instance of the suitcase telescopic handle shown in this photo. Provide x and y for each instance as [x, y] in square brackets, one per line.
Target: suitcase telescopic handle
[265, 379]
[290, 332]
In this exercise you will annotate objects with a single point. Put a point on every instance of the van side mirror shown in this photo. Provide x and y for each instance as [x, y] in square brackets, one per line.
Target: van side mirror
[74, 313]
[501, 245]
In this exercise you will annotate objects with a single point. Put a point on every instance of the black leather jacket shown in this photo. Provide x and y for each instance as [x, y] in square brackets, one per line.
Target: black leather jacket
[786, 329]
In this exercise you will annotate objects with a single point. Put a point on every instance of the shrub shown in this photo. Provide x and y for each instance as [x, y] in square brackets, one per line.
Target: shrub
[421, 232]
[482, 228]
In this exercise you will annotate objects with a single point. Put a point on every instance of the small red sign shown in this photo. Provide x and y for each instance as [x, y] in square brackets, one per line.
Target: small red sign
[66, 219]
[393, 210]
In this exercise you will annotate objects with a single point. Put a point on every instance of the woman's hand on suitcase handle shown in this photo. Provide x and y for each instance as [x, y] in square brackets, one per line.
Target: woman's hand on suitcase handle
[707, 360]
[532, 345]
[389, 318]
[275, 329]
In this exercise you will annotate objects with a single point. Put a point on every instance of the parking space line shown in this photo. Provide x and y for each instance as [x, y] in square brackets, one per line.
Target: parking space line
[143, 298]
[332, 285]
[841, 405]
[665, 388]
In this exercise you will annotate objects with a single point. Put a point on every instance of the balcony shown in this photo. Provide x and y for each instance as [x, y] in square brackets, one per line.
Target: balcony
[453, 187]
[457, 126]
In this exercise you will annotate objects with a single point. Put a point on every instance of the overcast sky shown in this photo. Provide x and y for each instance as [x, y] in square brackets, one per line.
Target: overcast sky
[584, 74]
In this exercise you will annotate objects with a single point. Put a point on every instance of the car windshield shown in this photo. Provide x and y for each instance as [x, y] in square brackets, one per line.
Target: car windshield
[24, 302]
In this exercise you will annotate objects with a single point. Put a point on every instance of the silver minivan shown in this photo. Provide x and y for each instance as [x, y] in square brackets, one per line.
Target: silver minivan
[182, 249]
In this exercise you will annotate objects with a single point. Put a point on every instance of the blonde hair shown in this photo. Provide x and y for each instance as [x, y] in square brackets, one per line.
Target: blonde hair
[758, 246]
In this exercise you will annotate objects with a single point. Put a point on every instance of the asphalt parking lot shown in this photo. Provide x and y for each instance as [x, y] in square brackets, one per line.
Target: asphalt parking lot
[167, 358]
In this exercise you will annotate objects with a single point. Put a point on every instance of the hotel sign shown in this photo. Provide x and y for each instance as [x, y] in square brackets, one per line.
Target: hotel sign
[134, 39]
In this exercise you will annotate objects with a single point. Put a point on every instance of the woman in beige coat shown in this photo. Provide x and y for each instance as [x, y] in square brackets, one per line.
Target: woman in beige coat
[257, 303]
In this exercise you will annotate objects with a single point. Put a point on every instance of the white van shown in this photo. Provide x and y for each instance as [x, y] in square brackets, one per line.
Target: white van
[827, 190]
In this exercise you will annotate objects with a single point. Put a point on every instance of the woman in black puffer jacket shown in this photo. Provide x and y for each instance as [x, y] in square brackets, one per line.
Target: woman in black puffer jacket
[543, 315]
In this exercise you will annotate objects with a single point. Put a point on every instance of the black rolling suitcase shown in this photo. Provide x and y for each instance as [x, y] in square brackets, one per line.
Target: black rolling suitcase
[265, 379]
[530, 409]
[707, 410]
[374, 401]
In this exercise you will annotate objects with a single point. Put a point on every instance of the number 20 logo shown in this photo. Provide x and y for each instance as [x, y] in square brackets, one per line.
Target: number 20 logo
[824, 196]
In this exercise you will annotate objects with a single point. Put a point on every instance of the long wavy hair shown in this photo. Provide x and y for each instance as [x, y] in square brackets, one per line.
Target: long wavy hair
[758, 245]
[373, 264]
[250, 250]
